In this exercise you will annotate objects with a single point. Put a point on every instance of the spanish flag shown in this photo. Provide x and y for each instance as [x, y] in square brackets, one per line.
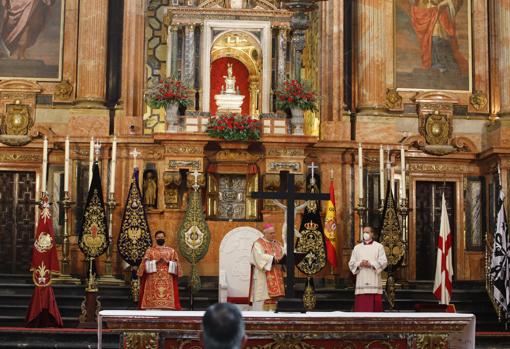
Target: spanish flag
[330, 227]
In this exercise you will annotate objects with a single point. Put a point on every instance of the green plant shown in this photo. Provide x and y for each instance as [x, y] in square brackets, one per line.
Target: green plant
[166, 92]
[294, 94]
[234, 128]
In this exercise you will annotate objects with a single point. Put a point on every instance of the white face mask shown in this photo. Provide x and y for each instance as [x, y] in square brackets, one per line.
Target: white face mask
[366, 236]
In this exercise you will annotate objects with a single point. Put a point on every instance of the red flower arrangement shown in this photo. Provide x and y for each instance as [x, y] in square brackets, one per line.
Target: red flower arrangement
[294, 94]
[166, 92]
[234, 128]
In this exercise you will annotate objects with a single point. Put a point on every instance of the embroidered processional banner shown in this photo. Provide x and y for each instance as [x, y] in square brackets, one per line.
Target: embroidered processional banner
[194, 236]
[311, 248]
[93, 239]
[135, 236]
[44, 264]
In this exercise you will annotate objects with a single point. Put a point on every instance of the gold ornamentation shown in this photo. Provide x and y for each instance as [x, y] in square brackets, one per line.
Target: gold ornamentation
[432, 341]
[194, 236]
[438, 168]
[393, 99]
[285, 152]
[311, 243]
[278, 166]
[189, 165]
[135, 290]
[172, 182]
[286, 342]
[436, 128]
[15, 157]
[390, 291]
[309, 299]
[41, 276]
[478, 100]
[182, 150]
[134, 238]
[64, 90]
[17, 120]
[136, 340]
[235, 155]
[43, 243]
[94, 239]
[391, 234]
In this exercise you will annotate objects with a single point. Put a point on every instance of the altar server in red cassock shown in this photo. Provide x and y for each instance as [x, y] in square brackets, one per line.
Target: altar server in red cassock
[367, 261]
[266, 272]
[159, 271]
[43, 310]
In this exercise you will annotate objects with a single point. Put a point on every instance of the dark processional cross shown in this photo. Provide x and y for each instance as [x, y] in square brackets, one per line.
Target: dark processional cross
[291, 196]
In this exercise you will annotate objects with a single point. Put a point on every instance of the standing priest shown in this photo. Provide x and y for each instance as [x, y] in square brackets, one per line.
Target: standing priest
[368, 260]
[266, 272]
[159, 271]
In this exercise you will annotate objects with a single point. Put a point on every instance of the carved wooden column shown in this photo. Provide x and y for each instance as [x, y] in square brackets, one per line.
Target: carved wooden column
[371, 47]
[133, 58]
[502, 31]
[92, 43]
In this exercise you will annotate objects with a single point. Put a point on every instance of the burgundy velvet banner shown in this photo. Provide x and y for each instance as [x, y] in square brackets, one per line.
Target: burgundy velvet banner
[239, 70]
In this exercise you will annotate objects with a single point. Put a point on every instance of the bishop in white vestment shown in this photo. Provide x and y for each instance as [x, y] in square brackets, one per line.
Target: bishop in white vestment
[367, 261]
[266, 274]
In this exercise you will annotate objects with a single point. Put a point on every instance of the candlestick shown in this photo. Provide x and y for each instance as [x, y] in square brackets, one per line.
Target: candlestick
[361, 209]
[108, 277]
[91, 158]
[65, 269]
[360, 171]
[112, 165]
[381, 173]
[403, 193]
[44, 165]
[403, 210]
[66, 166]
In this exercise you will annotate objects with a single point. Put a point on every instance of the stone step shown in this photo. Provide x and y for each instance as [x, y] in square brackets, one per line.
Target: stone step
[55, 338]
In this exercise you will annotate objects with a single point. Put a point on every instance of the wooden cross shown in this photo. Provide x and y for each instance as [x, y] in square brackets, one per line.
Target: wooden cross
[135, 153]
[290, 195]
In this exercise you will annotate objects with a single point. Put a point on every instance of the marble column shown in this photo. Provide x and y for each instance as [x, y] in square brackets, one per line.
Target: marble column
[283, 33]
[188, 62]
[334, 125]
[133, 59]
[92, 43]
[371, 47]
[172, 50]
[502, 31]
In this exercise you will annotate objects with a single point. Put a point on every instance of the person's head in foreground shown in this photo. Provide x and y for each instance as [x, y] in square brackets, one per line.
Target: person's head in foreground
[223, 327]
[269, 232]
[368, 234]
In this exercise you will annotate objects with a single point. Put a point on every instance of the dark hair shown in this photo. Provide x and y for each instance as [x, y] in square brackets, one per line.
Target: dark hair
[223, 327]
[159, 232]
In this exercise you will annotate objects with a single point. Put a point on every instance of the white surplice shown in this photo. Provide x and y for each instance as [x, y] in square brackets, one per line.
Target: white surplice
[368, 280]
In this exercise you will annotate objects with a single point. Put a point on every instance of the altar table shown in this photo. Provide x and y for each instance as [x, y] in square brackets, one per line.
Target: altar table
[315, 330]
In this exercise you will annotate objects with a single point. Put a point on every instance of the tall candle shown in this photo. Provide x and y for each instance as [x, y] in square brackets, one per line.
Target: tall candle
[44, 165]
[403, 172]
[360, 170]
[381, 173]
[112, 168]
[91, 158]
[66, 166]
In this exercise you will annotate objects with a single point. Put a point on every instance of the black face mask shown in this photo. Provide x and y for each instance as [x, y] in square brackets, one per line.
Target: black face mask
[160, 242]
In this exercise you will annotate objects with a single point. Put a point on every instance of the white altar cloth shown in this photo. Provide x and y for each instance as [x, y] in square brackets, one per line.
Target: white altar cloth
[460, 340]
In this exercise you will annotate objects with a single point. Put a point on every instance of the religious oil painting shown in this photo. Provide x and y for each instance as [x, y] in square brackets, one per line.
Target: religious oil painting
[433, 45]
[31, 36]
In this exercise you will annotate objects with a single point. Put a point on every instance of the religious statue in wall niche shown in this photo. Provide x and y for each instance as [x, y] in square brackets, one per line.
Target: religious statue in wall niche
[230, 80]
[150, 189]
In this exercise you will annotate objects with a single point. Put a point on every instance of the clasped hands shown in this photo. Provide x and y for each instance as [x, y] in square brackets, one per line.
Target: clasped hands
[365, 264]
